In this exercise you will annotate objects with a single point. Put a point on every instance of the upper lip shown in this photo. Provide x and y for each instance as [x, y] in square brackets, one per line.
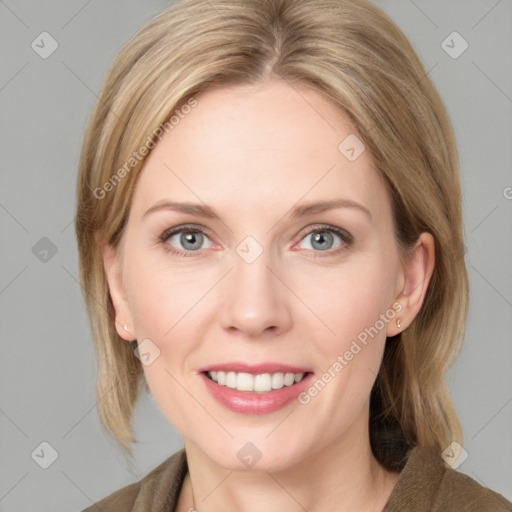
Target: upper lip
[240, 367]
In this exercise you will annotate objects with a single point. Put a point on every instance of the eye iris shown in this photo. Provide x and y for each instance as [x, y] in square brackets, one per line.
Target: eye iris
[194, 238]
[319, 237]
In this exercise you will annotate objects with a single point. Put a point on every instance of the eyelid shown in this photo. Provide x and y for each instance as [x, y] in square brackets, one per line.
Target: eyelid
[342, 233]
[185, 227]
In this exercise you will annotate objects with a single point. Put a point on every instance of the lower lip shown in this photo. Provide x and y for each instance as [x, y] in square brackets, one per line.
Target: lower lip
[248, 402]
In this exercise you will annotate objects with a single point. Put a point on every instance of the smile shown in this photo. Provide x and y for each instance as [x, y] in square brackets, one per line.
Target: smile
[255, 389]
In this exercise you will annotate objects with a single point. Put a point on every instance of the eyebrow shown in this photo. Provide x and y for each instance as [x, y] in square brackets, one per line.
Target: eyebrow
[302, 210]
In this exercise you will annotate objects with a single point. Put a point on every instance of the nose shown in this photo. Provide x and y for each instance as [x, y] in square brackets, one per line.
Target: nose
[257, 301]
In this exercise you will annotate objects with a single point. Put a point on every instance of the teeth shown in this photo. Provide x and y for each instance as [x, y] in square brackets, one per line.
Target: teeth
[288, 379]
[244, 382]
[261, 382]
[277, 380]
[231, 380]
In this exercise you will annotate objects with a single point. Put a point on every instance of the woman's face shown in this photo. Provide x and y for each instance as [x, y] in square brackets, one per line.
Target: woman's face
[266, 285]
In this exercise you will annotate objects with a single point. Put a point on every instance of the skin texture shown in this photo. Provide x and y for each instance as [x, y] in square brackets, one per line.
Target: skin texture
[253, 153]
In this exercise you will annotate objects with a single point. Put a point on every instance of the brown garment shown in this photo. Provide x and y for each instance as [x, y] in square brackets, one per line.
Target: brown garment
[426, 484]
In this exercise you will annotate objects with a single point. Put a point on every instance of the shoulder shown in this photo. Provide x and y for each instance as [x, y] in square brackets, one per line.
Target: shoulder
[457, 487]
[158, 490]
[121, 500]
[428, 484]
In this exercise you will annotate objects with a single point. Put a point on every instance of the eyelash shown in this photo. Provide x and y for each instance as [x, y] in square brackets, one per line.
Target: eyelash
[346, 239]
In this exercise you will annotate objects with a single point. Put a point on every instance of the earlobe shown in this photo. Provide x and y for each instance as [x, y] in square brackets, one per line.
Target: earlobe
[123, 320]
[415, 278]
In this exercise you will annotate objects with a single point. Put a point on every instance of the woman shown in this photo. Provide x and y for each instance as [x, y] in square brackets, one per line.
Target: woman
[270, 237]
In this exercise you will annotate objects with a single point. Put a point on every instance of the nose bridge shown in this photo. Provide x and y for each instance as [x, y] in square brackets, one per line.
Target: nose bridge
[256, 301]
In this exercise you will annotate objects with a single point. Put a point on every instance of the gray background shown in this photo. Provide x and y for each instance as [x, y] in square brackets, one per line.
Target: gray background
[47, 370]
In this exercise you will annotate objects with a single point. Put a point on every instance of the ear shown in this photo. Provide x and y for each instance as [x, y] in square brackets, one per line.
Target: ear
[413, 281]
[122, 313]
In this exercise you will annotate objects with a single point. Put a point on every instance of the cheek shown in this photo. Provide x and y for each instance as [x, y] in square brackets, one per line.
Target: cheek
[349, 303]
[350, 356]
[152, 304]
[159, 294]
[161, 303]
[358, 315]
[166, 305]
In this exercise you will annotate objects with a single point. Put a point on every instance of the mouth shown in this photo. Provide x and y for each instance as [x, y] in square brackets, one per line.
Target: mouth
[256, 383]
[255, 389]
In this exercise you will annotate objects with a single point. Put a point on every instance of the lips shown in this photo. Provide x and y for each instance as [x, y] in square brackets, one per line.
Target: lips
[255, 389]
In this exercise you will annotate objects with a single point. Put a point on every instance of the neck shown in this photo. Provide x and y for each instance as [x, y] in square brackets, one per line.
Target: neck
[343, 476]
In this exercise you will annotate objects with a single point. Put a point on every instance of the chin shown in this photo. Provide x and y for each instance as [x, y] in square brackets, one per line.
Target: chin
[253, 453]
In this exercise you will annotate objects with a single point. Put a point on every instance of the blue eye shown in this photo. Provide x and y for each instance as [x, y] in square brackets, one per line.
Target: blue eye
[184, 241]
[327, 239]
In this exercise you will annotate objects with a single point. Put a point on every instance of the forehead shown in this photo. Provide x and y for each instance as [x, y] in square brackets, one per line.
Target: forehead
[244, 148]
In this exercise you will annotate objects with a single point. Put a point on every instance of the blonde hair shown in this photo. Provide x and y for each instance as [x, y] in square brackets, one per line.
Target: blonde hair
[355, 56]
